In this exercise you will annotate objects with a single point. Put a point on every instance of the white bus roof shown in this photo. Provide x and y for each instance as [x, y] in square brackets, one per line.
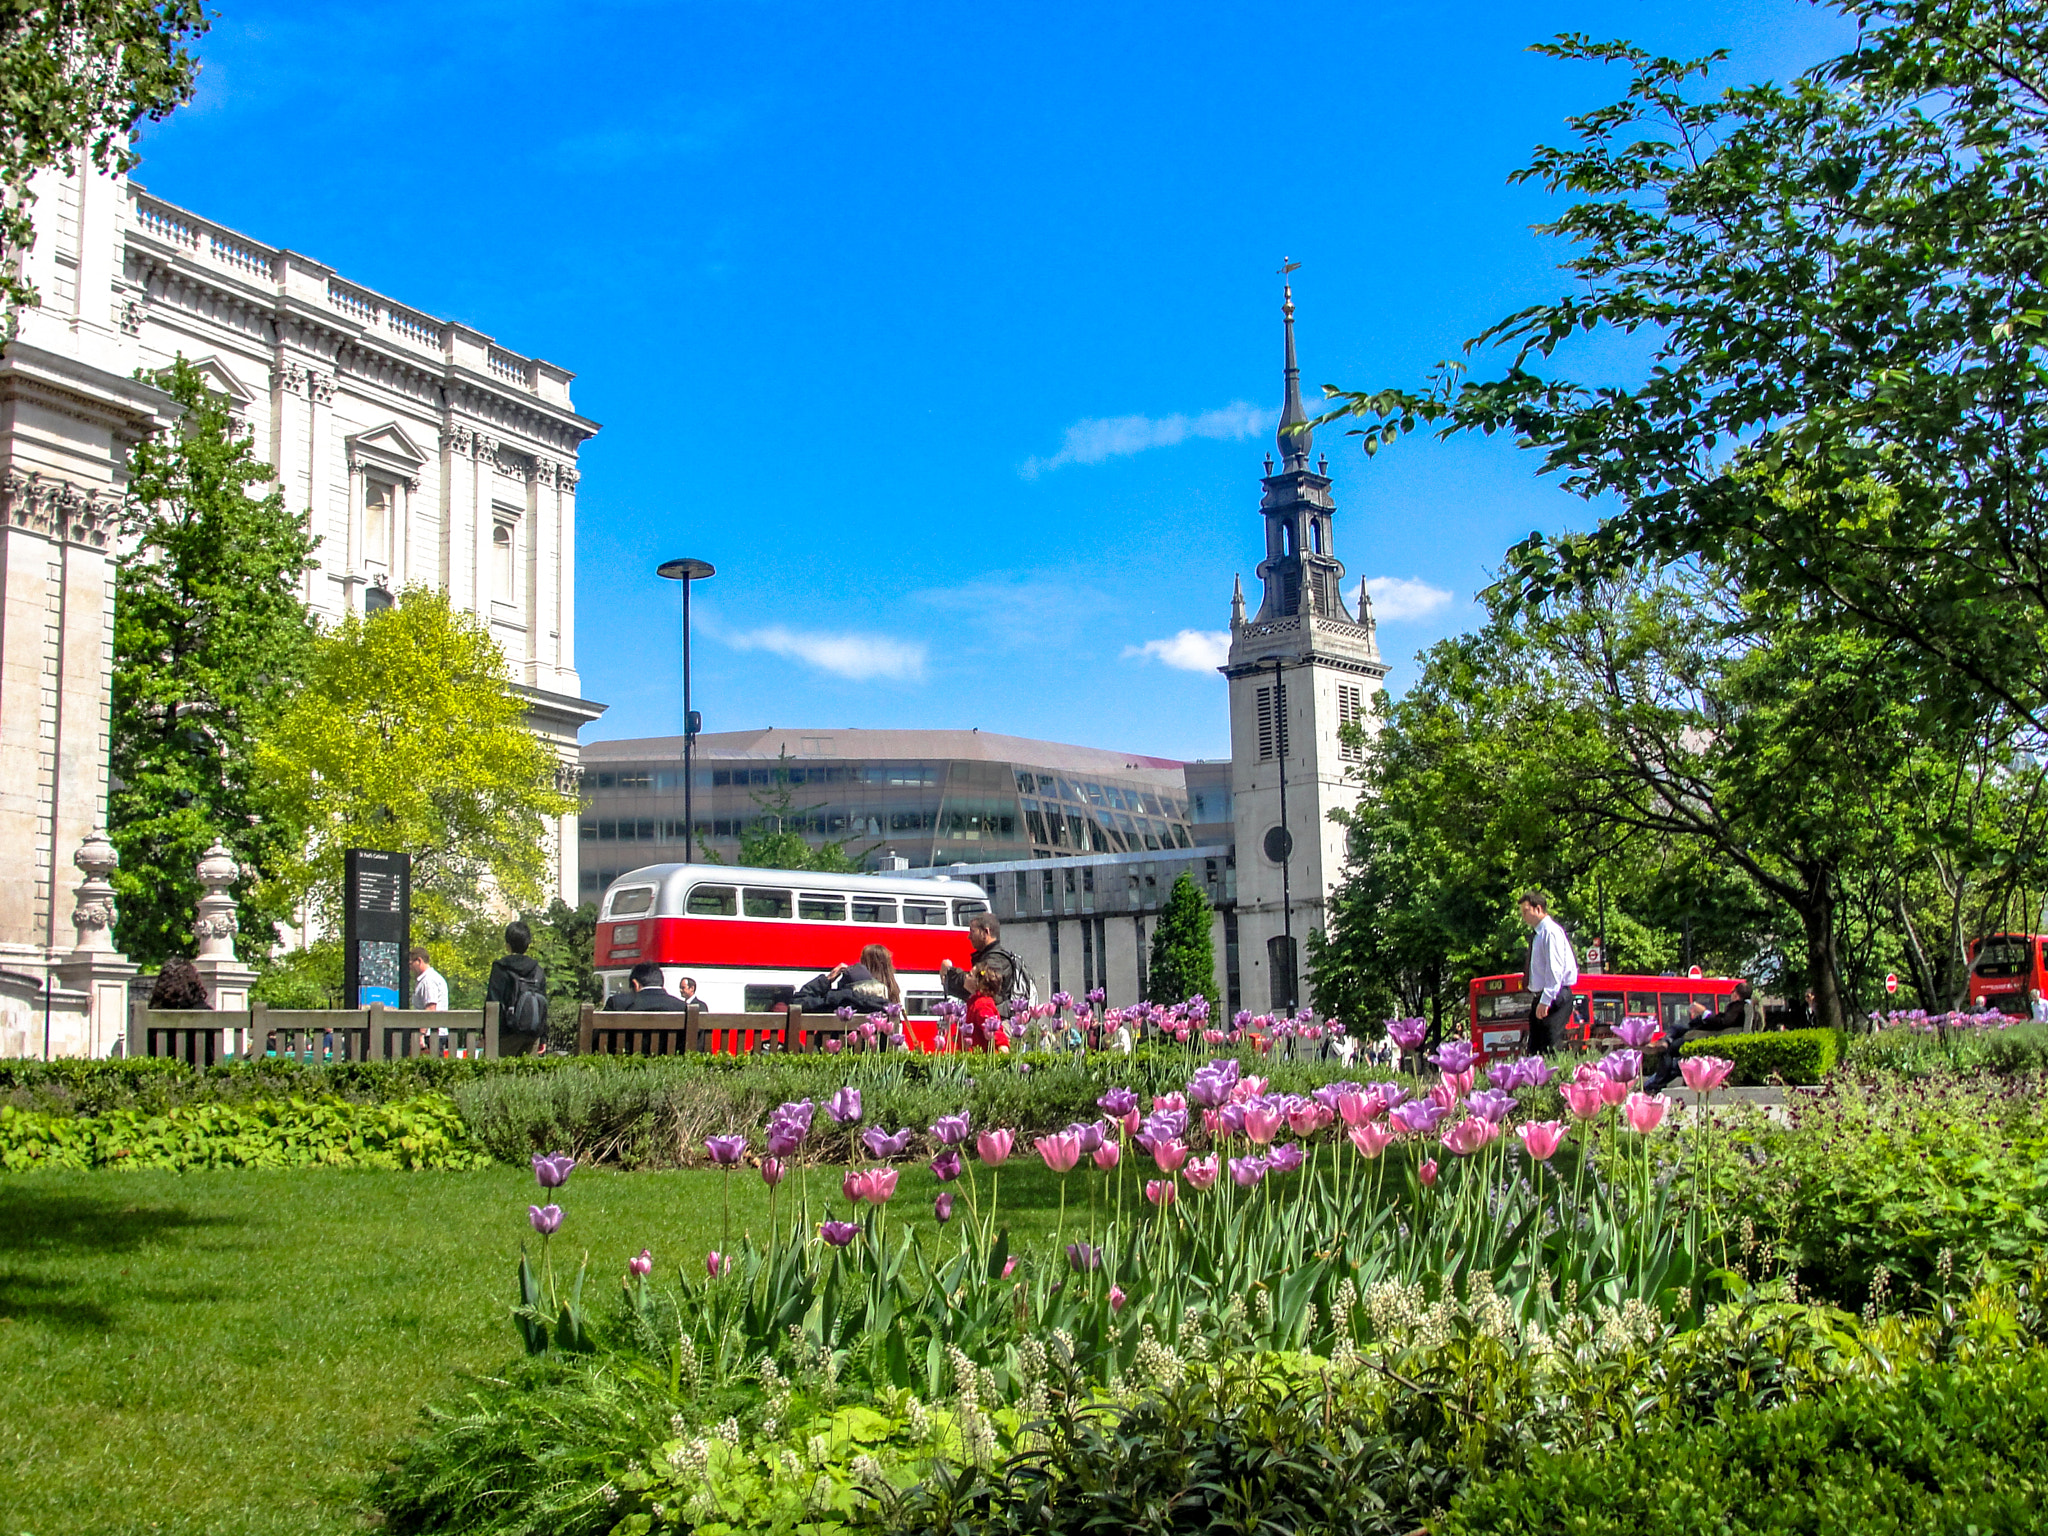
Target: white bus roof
[671, 879]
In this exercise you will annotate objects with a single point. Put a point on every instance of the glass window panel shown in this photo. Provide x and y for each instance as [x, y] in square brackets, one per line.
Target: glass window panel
[821, 909]
[1096, 794]
[1642, 1005]
[632, 901]
[963, 910]
[768, 999]
[874, 912]
[760, 903]
[1047, 785]
[713, 901]
[917, 914]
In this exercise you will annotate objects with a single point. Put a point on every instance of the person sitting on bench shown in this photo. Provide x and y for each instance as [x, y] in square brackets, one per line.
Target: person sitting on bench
[648, 994]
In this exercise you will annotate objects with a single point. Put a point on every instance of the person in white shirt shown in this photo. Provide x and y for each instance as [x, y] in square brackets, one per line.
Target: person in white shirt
[2037, 1005]
[429, 993]
[1552, 970]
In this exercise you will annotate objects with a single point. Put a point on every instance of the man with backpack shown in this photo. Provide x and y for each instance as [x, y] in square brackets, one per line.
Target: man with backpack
[519, 987]
[984, 935]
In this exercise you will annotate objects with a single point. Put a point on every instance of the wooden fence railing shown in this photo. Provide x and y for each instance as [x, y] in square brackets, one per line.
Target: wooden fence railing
[201, 1036]
[701, 1032]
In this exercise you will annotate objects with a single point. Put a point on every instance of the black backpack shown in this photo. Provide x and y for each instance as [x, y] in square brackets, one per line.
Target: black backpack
[528, 1014]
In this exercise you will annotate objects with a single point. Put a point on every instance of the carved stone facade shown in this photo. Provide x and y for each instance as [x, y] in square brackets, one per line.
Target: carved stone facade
[421, 451]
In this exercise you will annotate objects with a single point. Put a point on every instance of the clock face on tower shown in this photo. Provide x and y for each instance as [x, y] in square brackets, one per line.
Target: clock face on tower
[1279, 844]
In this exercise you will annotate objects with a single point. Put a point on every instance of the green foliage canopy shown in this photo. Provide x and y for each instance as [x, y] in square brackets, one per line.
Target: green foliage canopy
[211, 639]
[1183, 951]
[407, 737]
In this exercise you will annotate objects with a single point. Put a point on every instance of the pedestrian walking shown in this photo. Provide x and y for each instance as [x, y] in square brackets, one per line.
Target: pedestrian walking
[519, 987]
[1551, 971]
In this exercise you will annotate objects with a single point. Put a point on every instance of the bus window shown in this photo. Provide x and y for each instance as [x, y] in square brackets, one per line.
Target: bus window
[1607, 1008]
[1485, 1007]
[632, 901]
[874, 912]
[1513, 1005]
[963, 910]
[923, 1003]
[1642, 1005]
[821, 909]
[760, 903]
[2001, 957]
[917, 915]
[1708, 1001]
[713, 901]
[1677, 1012]
[768, 999]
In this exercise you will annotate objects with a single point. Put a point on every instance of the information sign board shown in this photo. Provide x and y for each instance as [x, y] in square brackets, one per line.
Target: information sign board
[377, 927]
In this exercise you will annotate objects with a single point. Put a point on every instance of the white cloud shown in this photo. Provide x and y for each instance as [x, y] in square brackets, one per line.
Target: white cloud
[1192, 650]
[859, 657]
[1108, 437]
[1398, 598]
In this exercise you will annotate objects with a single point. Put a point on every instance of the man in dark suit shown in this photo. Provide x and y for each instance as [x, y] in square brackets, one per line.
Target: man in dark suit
[648, 994]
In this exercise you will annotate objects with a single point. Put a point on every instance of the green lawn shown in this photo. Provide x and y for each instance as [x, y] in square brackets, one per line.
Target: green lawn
[232, 1352]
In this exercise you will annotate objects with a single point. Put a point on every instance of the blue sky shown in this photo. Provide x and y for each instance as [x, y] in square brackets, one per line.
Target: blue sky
[947, 332]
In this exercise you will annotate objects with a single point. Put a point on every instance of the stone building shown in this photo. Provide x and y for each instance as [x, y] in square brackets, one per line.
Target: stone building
[421, 449]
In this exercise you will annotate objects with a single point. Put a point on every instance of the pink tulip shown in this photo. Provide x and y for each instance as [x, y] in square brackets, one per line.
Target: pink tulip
[1301, 1119]
[641, 1263]
[1161, 1191]
[1372, 1140]
[1117, 1298]
[1248, 1088]
[772, 1170]
[994, 1146]
[881, 1185]
[1541, 1137]
[1202, 1172]
[716, 1263]
[1616, 1090]
[1169, 1155]
[1469, 1135]
[1131, 1122]
[854, 1185]
[1459, 1083]
[1427, 1173]
[1008, 1265]
[1107, 1154]
[1060, 1152]
[1583, 1099]
[1644, 1112]
[1444, 1096]
[1173, 1103]
[1261, 1124]
[1703, 1074]
[1353, 1108]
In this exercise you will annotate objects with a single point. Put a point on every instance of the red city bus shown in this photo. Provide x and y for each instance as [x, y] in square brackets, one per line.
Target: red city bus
[2004, 968]
[1501, 1008]
[751, 937]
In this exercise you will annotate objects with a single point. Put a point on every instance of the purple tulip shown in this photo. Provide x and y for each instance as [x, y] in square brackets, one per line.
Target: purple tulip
[772, 1171]
[946, 1166]
[726, 1151]
[1118, 1102]
[1247, 1171]
[1622, 1066]
[1098, 996]
[784, 1139]
[1330, 1093]
[834, 1045]
[943, 1206]
[1390, 1094]
[1418, 1115]
[1082, 1256]
[1534, 1070]
[1088, 1133]
[950, 1130]
[1636, 1033]
[838, 1233]
[844, 1106]
[1286, 1157]
[885, 1147]
[1491, 1104]
[545, 1218]
[1453, 1056]
[1407, 1034]
[551, 1170]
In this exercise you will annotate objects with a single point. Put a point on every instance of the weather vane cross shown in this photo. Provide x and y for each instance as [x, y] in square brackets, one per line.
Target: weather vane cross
[1287, 266]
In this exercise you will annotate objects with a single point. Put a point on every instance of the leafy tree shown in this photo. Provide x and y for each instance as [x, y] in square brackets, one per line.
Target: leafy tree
[406, 737]
[76, 76]
[211, 639]
[1183, 952]
[1841, 280]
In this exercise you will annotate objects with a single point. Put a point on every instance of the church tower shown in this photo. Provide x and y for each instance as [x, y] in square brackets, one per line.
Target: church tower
[1299, 669]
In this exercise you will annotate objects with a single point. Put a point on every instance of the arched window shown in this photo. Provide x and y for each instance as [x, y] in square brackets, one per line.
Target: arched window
[1315, 533]
[501, 560]
[1287, 538]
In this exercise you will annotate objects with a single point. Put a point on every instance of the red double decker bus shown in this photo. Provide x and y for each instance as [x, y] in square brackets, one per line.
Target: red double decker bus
[2005, 968]
[751, 937]
[1500, 1007]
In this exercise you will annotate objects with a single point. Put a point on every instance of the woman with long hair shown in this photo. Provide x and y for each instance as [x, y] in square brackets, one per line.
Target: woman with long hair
[178, 986]
[882, 966]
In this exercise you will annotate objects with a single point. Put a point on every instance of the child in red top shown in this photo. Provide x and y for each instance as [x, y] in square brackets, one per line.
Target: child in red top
[983, 1028]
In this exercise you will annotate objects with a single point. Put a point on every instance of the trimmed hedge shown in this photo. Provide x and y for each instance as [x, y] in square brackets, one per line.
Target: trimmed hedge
[1950, 1450]
[423, 1132]
[158, 1085]
[1791, 1056]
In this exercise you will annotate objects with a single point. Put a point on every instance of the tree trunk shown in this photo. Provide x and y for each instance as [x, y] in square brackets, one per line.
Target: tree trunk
[1925, 982]
[1817, 917]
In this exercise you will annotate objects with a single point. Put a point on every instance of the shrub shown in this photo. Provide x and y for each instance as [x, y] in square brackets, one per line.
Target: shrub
[1944, 1448]
[157, 1085]
[423, 1132]
[2018, 1051]
[1791, 1056]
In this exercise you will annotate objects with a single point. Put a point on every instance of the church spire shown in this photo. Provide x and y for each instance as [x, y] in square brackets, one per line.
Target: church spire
[1294, 446]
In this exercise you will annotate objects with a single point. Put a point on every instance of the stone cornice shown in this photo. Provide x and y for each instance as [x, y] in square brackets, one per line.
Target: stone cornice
[57, 509]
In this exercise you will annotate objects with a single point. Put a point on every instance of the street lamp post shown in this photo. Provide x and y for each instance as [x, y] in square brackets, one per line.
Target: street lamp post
[687, 571]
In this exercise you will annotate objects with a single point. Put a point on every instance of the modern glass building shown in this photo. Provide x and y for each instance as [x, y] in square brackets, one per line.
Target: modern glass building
[930, 798]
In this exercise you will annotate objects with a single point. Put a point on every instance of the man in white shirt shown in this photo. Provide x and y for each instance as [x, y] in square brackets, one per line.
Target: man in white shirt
[1552, 970]
[2037, 1005]
[429, 992]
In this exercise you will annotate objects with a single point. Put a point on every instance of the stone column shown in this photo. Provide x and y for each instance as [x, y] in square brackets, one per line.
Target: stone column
[227, 979]
[94, 967]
